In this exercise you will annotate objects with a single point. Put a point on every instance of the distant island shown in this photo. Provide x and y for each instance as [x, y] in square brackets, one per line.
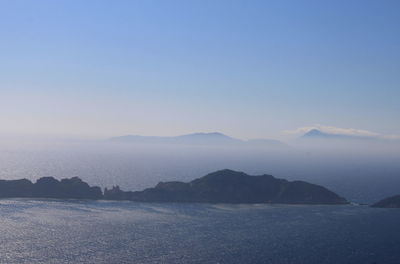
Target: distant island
[204, 139]
[224, 186]
[391, 202]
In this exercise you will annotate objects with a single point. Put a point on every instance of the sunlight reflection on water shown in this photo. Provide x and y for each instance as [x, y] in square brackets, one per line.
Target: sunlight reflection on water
[73, 231]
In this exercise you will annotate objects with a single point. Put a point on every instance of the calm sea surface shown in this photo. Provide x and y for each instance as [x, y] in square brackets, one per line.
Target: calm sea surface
[51, 231]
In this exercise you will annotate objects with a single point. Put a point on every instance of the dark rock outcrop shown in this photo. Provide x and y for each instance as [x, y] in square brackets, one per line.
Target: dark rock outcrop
[227, 186]
[48, 187]
[390, 202]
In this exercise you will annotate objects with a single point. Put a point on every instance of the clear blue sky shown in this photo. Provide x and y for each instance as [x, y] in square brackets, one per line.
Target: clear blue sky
[245, 68]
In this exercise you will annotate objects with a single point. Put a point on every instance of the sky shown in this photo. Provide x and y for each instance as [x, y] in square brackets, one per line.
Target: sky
[249, 69]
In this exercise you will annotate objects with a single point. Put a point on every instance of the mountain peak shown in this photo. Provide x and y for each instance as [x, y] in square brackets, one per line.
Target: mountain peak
[315, 133]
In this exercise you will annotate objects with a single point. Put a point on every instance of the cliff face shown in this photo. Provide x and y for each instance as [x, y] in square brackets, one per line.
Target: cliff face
[48, 187]
[391, 202]
[227, 186]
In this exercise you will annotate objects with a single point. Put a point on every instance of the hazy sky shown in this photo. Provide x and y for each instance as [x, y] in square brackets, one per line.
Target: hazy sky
[245, 68]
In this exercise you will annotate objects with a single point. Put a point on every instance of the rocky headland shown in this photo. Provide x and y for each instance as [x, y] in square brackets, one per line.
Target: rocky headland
[390, 202]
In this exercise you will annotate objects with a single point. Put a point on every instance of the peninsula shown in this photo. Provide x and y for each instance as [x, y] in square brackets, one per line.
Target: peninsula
[224, 186]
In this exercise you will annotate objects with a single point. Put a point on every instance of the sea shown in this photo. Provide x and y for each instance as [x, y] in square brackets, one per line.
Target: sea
[80, 231]
[77, 231]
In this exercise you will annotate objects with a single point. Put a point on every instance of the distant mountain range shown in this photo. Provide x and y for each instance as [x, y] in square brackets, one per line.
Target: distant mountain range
[214, 138]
